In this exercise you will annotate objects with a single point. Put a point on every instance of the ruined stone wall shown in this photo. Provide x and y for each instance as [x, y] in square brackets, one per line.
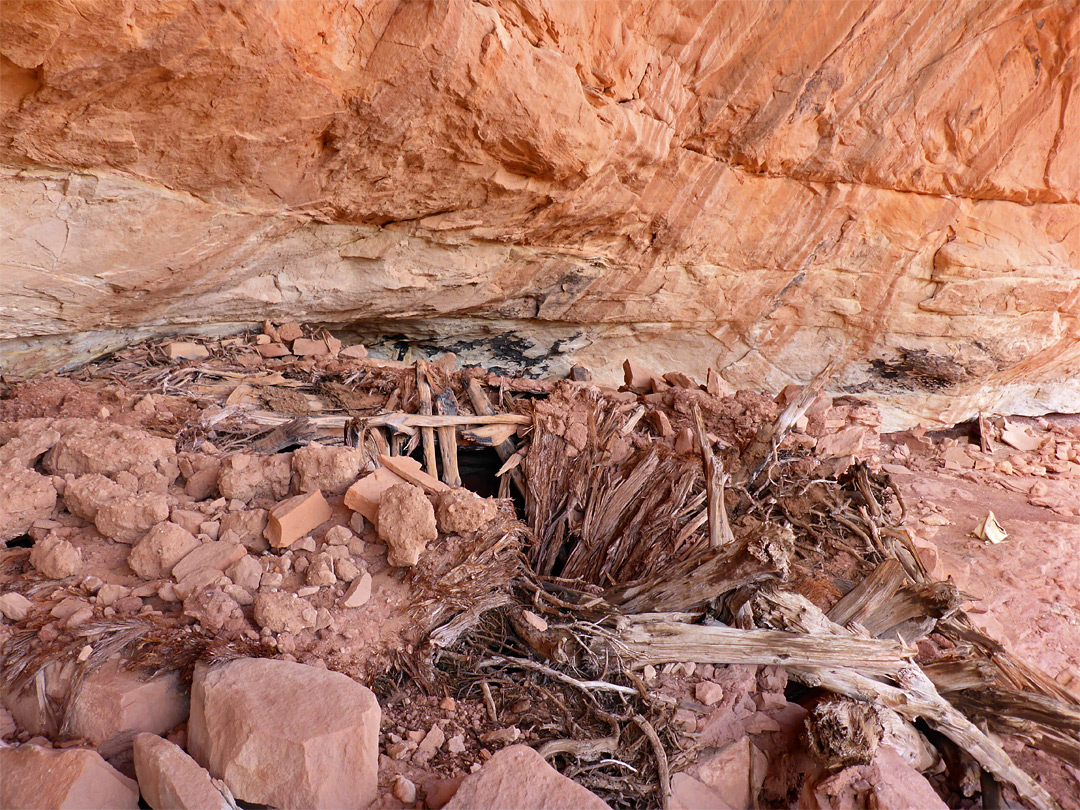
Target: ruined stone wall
[755, 186]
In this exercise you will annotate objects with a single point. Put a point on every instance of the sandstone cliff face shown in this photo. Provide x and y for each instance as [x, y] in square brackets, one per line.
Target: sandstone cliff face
[756, 186]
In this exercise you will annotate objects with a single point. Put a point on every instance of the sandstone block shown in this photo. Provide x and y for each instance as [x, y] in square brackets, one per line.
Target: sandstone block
[328, 469]
[364, 496]
[25, 497]
[688, 793]
[519, 777]
[284, 612]
[288, 332]
[737, 772]
[356, 352]
[406, 523]
[285, 734]
[55, 557]
[293, 518]
[246, 476]
[461, 510]
[186, 350]
[112, 703]
[269, 350]
[36, 777]
[162, 548]
[169, 779]
[304, 347]
[217, 555]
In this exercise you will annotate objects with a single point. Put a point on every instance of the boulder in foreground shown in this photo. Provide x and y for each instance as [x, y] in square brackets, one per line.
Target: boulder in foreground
[285, 734]
[171, 780]
[75, 778]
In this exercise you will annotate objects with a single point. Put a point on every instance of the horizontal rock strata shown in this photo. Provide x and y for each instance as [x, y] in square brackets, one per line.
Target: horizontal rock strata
[754, 187]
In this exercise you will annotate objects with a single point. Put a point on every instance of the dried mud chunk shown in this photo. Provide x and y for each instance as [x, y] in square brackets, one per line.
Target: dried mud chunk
[55, 557]
[284, 612]
[215, 610]
[162, 548]
[406, 524]
[31, 439]
[128, 519]
[25, 497]
[246, 527]
[329, 469]
[461, 510]
[96, 447]
[246, 476]
[83, 496]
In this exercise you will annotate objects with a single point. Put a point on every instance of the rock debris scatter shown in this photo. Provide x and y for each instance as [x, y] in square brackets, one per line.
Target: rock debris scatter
[269, 569]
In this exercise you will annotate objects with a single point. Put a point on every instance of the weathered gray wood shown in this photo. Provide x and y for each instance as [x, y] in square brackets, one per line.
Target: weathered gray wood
[648, 641]
[423, 389]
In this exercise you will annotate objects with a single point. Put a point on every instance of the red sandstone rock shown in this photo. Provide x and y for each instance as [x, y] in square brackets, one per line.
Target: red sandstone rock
[268, 350]
[691, 157]
[406, 523]
[246, 572]
[185, 350]
[35, 777]
[162, 548]
[304, 347]
[215, 610]
[887, 783]
[293, 518]
[286, 734]
[25, 496]
[358, 593]
[171, 780]
[112, 703]
[55, 557]
[688, 793]
[461, 510]
[328, 469]
[519, 777]
[288, 332]
[736, 772]
[364, 496]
